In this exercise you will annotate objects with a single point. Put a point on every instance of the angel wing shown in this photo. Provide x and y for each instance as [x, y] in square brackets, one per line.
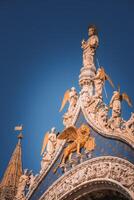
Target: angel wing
[127, 99]
[102, 73]
[65, 99]
[109, 79]
[90, 144]
[45, 141]
[69, 134]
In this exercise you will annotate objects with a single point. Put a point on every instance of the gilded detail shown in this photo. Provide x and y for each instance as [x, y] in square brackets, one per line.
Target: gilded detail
[77, 138]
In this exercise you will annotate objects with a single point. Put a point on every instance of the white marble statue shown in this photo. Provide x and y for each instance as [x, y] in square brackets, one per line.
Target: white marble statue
[89, 47]
[70, 96]
[99, 81]
[115, 104]
[32, 180]
[73, 97]
[48, 148]
[23, 182]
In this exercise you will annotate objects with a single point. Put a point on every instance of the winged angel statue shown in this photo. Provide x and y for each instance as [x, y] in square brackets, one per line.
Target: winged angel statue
[70, 96]
[76, 138]
[48, 148]
[99, 81]
[49, 142]
[115, 103]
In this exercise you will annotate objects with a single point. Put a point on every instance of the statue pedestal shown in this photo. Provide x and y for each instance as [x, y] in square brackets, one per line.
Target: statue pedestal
[85, 79]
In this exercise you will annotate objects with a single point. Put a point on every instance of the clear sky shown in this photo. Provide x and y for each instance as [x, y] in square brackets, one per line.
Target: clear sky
[41, 56]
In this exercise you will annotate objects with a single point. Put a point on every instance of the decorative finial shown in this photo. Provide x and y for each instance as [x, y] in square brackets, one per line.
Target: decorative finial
[19, 129]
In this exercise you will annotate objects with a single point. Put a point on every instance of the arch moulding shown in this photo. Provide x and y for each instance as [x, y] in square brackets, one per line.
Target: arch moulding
[105, 172]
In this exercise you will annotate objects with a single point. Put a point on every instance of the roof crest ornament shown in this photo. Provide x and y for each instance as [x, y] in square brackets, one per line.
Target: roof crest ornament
[90, 99]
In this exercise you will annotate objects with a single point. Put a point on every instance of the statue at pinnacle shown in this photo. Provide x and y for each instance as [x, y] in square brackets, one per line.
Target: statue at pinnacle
[88, 70]
[89, 48]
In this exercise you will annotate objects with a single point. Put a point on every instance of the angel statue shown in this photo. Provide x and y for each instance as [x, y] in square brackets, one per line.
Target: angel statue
[70, 96]
[115, 103]
[99, 81]
[89, 47]
[76, 138]
[48, 148]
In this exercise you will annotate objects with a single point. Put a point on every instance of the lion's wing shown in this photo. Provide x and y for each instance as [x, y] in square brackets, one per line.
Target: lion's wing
[90, 144]
[69, 134]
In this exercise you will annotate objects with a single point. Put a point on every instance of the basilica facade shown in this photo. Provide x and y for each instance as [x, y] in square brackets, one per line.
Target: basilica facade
[93, 157]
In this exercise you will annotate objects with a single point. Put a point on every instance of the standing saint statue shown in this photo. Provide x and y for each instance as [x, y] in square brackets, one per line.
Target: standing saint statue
[89, 47]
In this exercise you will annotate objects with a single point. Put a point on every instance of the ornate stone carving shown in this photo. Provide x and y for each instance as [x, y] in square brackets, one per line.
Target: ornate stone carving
[32, 180]
[116, 122]
[23, 182]
[103, 168]
[95, 111]
[96, 114]
[130, 125]
[90, 100]
[103, 116]
[40, 177]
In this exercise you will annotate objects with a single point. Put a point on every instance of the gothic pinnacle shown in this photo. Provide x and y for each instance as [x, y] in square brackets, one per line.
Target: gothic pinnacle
[13, 171]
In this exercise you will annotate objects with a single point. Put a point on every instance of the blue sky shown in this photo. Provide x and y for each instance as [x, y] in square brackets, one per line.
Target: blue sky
[41, 57]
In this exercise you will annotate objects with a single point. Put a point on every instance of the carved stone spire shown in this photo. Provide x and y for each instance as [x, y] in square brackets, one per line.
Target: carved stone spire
[88, 70]
[9, 183]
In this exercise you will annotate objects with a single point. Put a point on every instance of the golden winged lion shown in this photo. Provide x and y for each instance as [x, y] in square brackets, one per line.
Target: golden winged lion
[76, 138]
